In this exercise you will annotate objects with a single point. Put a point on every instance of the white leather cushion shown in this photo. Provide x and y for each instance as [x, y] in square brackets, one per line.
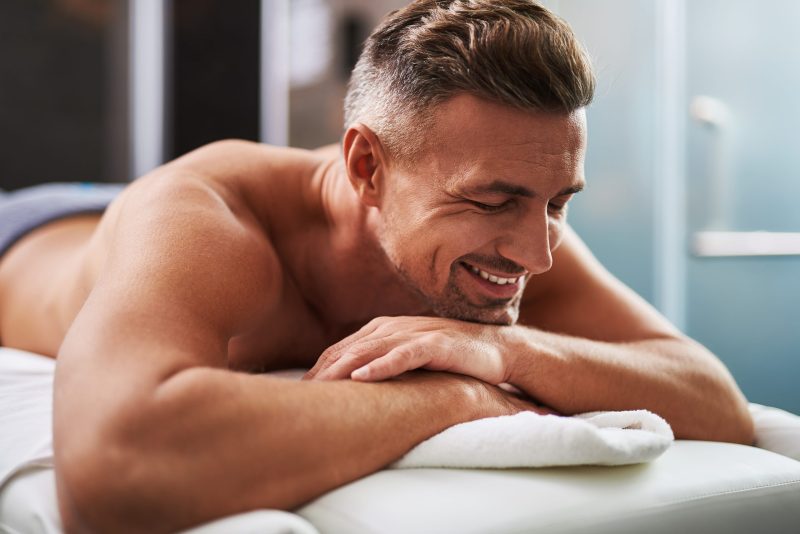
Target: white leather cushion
[777, 430]
[28, 506]
[695, 486]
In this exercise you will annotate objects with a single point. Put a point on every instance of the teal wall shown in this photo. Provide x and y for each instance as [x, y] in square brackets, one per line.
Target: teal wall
[747, 55]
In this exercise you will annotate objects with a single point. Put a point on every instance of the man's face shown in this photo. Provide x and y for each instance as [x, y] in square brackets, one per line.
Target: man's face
[483, 207]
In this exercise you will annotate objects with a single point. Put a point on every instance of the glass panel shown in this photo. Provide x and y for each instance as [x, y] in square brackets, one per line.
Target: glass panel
[746, 55]
[614, 214]
[326, 38]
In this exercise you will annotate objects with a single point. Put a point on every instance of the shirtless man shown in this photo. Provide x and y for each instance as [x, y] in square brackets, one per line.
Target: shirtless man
[434, 238]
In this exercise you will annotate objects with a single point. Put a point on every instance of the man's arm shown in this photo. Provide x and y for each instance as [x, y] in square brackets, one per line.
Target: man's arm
[598, 345]
[153, 433]
[584, 342]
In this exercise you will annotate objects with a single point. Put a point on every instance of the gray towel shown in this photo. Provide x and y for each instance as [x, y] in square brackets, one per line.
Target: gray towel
[24, 210]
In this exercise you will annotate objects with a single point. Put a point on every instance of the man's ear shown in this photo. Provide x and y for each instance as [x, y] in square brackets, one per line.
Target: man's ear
[365, 162]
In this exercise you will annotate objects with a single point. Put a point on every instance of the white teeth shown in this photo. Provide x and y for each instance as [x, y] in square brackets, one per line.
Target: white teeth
[492, 278]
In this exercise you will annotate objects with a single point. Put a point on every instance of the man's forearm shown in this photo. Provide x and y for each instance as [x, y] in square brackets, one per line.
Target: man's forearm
[675, 378]
[213, 443]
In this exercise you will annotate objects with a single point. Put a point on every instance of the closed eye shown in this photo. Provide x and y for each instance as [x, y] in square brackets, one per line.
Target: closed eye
[490, 208]
[559, 204]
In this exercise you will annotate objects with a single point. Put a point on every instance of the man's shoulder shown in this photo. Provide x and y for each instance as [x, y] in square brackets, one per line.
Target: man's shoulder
[208, 219]
[218, 179]
[189, 232]
[242, 158]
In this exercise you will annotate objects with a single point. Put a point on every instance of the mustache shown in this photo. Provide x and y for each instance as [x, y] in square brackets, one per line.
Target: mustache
[496, 263]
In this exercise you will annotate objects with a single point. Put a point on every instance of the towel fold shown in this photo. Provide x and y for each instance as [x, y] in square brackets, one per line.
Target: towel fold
[528, 439]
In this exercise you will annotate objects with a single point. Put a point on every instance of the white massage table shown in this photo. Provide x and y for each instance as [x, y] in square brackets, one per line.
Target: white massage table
[693, 487]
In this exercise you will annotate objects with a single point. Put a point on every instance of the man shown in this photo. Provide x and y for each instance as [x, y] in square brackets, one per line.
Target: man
[434, 239]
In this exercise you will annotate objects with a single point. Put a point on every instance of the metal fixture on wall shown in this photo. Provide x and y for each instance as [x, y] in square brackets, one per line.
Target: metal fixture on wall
[716, 240]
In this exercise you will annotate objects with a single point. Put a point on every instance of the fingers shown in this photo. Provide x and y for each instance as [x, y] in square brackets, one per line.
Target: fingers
[396, 362]
[357, 355]
[333, 353]
[524, 402]
[412, 343]
[544, 410]
[379, 359]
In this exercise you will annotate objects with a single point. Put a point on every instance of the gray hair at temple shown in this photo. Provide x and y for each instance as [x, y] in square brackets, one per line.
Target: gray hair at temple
[512, 52]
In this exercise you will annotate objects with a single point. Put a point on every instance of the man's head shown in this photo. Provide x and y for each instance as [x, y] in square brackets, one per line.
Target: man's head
[466, 135]
[512, 52]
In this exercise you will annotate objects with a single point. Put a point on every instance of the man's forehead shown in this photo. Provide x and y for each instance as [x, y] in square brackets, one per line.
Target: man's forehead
[540, 152]
[465, 122]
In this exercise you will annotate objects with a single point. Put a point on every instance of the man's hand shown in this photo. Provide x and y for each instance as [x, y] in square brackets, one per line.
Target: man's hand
[389, 346]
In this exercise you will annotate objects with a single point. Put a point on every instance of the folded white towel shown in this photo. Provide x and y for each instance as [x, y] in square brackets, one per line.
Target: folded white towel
[528, 439]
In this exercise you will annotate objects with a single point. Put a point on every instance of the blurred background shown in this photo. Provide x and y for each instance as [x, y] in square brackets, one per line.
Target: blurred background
[693, 164]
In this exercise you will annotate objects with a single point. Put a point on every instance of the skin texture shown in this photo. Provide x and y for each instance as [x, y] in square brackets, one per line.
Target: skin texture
[241, 257]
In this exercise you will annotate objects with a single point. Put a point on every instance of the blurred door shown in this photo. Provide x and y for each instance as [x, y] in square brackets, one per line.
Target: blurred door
[712, 94]
[743, 289]
[614, 215]
[63, 82]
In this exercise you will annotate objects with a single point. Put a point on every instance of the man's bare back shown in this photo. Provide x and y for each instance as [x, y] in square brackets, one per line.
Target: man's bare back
[46, 277]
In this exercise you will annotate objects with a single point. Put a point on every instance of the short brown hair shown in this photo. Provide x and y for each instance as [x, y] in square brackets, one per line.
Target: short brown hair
[512, 52]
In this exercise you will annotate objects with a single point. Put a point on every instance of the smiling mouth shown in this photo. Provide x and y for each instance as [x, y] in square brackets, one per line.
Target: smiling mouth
[499, 290]
[492, 278]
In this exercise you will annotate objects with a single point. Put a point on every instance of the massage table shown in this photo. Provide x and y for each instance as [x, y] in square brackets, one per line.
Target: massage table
[694, 486]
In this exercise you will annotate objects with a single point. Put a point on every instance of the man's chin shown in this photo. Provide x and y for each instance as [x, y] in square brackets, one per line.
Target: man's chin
[504, 316]
[453, 303]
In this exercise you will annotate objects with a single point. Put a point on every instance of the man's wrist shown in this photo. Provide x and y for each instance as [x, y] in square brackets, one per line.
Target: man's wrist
[529, 355]
[510, 345]
[458, 398]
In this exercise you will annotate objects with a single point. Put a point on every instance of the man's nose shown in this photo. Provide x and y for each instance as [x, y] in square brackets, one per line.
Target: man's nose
[528, 243]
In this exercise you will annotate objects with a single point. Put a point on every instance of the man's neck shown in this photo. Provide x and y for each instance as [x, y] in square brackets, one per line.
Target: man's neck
[353, 281]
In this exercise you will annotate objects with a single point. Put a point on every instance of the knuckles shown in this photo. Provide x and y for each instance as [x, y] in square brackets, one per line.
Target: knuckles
[436, 339]
[377, 323]
[404, 336]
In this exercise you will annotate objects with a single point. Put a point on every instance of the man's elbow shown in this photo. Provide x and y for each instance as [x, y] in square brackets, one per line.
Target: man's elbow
[103, 482]
[716, 410]
[741, 429]
[99, 489]
[727, 420]
[80, 500]
[735, 424]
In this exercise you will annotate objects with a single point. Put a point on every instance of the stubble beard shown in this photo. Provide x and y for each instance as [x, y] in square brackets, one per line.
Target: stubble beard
[452, 303]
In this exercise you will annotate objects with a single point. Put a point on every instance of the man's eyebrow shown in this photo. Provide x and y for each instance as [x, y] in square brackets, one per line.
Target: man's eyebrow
[571, 190]
[499, 186]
